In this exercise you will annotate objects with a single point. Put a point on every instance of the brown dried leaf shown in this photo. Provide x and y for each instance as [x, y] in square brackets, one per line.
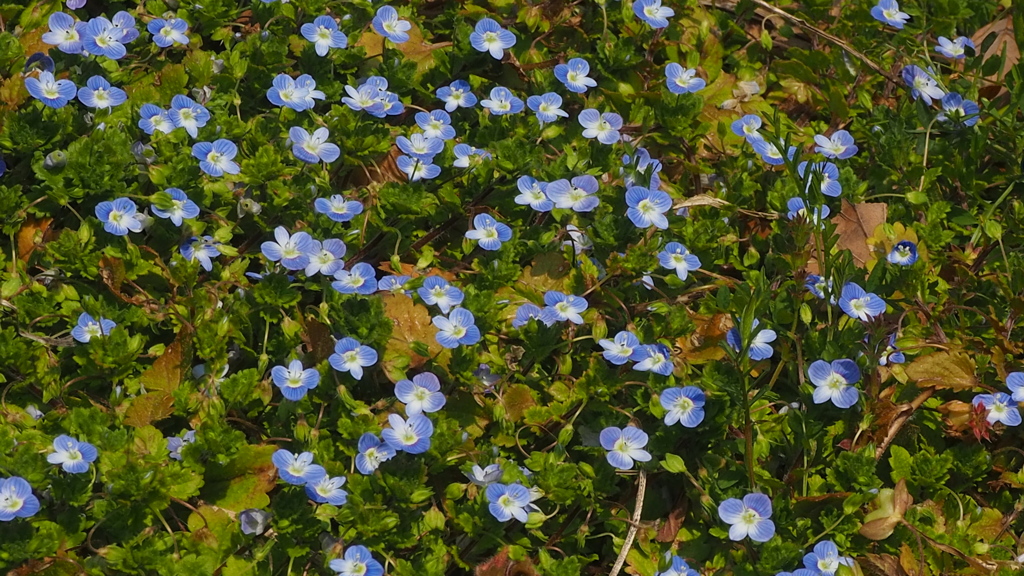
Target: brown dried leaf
[318, 340]
[953, 370]
[669, 530]
[958, 414]
[112, 272]
[501, 565]
[166, 374]
[702, 346]
[149, 408]
[548, 272]
[885, 565]
[32, 232]
[891, 504]
[855, 224]
[1004, 42]
[701, 200]
[411, 323]
[518, 399]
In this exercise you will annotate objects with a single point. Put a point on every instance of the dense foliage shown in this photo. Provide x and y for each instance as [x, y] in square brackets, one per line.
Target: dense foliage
[511, 287]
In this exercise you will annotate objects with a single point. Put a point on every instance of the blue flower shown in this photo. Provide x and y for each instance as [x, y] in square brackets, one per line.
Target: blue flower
[102, 38]
[679, 567]
[98, 93]
[421, 394]
[676, 257]
[324, 34]
[507, 501]
[1001, 408]
[532, 194]
[489, 36]
[71, 455]
[825, 559]
[578, 196]
[89, 328]
[526, 312]
[215, 158]
[955, 49]
[124, 25]
[181, 207]
[436, 124]
[351, 356]
[327, 490]
[390, 105]
[296, 93]
[65, 33]
[372, 452]
[167, 32]
[547, 107]
[436, 290]
[653, 13]
[573, 75]
[682, 80]
[457, 94]
[560, 307]
[358, 562]
[684, 405]
[387, 24]
[747, 127]
[835, 382]
[893, 355]
[488, 232]
[119, 216]
[749, 517]
[827, 174]
[1014, 381]
[153, 118]
[647, 207]
[325, 258]
[16, 499]
[903, 253]
[605, 127]
[797, 209]
[839, 146]
[653, 358]
[484, 476]
[760, 348]
[624, 445]
[188, 114]
[458, 328]
[292, 250]
[502, 101]
[176, 443]
[417, 170]
[640, 165]
[816, 284]
[412, 435]
[313, 148]
[464, 155]
[958, 111]
[393, 284]
[253, 521]
[770, 153]
[888, 12]
[619, 350]
[297, 469]
[337, 208]
[860, 304]
[51, 92]
[922, 84]
[361, 279]
[203, 250]
[294, 381]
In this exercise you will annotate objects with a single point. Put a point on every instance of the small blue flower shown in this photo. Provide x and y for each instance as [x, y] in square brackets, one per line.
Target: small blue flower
[578, 196]
[955, 49]
[65, 33]
[16, 499]
[153, 118]
[253, 521]
[216, 158]
[619, 350]
[102, 38]
[181, 207]
[393, 284]
[825, 559]
[682, 80]
[326, 258]
[578, 241]
[71, 455]
[327, 490]
[421, 394]
[839, 146]
[653, 13]
[760, 348]
[188, 114]
[527, 312]
[361, 279]
[835, 382]
[294, 381]
[749, 517]
[624, 445]
[313, 148]
[1001, 408]
[358, 562]
[412, 435]
[676, 257]
[507, 501]
[51, 92]
[653, 358]
[436, 124]
[387, 24]
[324, 34]
[98, 93]
[459, 328]
[417, 170]
[297, 469]
[770, 153]
[888, 12]
[816, 284]
[560, 307]
[287, 91]
[502, 101]
[484, 476]
[958, 111]
[573, 75]
[922, 84]
[292, 250]
[679, 567]
[464, 154]
[903, 253]
[547, 107]
[89, 328]
[641, 165]
[119, 216]
[827, 174]
[1014, 381]
[684, 405]
[351, 356]
[124, 25]
[168, 32]
[489, 36]
[747, 127]
[457, 94]
[372, 452]
[532, 194]
[860, 304]
[176, 443]
[436, 290]
[893, 355]
[797, 209]
[202, 249]
[605, 127]
[488, 232]
[647, 207]
[337, 208]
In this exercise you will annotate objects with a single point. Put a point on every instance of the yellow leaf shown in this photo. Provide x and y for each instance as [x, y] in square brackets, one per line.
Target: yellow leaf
[954, 370]
[149, 408]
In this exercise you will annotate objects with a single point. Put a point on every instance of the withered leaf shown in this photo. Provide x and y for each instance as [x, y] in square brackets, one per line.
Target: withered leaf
[149, 408]
[1004, 42]
[946, 369]
[855, 224]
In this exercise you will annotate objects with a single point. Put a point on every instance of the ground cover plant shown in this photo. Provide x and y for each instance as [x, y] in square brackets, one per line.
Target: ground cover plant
[695, 287]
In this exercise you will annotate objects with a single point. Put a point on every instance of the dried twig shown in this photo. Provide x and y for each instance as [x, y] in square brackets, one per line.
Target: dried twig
[641, 489]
